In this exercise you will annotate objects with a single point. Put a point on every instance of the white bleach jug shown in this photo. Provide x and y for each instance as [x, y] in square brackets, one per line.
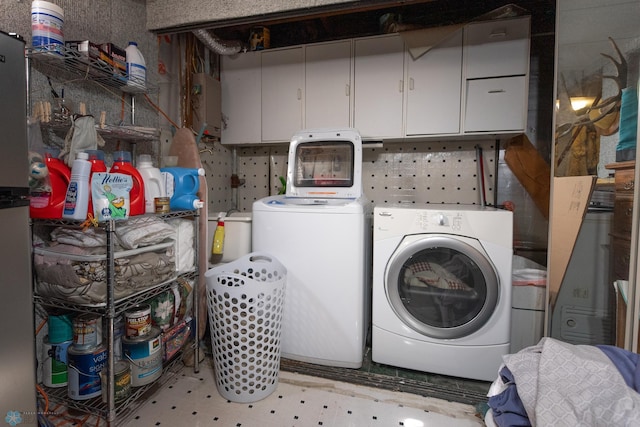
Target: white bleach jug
[153, 182]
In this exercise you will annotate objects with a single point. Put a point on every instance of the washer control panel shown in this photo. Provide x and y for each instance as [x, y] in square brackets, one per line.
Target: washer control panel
[412, 220]
[429, 220]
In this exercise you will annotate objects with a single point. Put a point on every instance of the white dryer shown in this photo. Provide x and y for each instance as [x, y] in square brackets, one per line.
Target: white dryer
[442, 289]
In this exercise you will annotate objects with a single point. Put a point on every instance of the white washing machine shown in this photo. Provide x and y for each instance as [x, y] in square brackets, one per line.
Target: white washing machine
[321, 232]
[442, 289]
[325, 248]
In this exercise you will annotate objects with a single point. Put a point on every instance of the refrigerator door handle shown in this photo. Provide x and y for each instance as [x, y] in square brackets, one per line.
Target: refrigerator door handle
[13, 197]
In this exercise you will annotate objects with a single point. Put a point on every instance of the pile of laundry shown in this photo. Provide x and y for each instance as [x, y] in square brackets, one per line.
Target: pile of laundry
[555, 383]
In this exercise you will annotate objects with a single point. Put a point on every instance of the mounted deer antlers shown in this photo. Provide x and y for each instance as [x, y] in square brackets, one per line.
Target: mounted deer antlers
[601, 118]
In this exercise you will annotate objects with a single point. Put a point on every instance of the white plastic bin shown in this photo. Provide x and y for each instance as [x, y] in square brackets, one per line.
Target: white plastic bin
[237, 231]
[245, 301]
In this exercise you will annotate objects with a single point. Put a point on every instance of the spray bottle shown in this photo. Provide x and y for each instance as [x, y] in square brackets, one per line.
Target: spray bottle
[218, 236]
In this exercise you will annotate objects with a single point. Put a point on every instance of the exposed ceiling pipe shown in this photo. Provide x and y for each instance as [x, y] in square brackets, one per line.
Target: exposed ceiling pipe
[221, 47]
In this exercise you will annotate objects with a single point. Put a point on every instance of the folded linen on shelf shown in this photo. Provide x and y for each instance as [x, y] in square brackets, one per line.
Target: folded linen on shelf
[82, 278]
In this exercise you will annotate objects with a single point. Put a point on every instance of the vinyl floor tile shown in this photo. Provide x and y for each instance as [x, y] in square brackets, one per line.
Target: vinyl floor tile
[298, 401]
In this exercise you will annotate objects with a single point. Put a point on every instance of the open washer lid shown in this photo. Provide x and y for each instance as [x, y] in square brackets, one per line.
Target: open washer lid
[325, 163]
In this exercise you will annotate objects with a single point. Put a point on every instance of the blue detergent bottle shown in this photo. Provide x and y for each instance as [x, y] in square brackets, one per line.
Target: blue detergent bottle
[182, 186]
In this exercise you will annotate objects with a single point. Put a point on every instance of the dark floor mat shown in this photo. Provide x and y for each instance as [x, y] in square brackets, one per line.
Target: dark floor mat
[355, 376]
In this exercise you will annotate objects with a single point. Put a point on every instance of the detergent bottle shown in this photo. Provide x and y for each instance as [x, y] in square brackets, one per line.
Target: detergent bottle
[182, 186]
[96, 157]
[122, 164]
[76, 203]
[154, 185]
[49, 179]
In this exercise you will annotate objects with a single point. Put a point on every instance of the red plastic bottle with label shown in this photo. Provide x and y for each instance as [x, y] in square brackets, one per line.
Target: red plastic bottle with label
[122, 164]
[96, 157]
[48, 204]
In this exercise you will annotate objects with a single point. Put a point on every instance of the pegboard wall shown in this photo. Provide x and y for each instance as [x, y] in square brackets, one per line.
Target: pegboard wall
[417, 173]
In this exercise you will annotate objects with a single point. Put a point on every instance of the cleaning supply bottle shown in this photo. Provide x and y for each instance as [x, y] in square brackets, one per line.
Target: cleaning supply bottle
[76, 203]
[136, 66]
[218, 236]
[51, 178]
[96, 157]
[182, 186]
[122, 164]
[153, 183]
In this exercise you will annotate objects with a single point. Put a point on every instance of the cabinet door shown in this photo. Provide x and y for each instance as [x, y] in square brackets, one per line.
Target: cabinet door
[282, 95]
[433, 90]
[497, 48]
[328, 85]
[378, 86]
[496, 104]
[240, 86]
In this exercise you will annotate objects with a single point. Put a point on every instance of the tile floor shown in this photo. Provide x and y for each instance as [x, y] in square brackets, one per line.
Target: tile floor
[301, 400]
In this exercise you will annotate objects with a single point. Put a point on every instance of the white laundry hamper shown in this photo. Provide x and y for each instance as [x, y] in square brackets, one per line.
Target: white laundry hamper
[245, 299]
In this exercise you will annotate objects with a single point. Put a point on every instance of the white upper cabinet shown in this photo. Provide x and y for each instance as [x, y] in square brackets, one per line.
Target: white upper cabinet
[379, 86]
[497, 48]
[473, 80]
[241, 98]
[282, 93]
[496, 70]
[496, 104]
[328, 85]
[434, 88]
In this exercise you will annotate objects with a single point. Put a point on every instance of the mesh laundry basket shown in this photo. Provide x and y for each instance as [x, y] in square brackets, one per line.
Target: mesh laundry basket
[245, 299]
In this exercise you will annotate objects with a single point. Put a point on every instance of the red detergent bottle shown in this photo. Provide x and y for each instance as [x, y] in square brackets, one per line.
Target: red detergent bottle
[51, 178]
[122, 164]
[96, 157]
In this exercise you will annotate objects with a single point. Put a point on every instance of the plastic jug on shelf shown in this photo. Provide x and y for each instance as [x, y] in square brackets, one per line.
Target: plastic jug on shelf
[182, 185]
[76, 204]
[154, 185]
[48, 182]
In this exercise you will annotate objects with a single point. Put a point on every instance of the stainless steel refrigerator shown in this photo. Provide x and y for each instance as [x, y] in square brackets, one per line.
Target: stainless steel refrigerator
[17, 343]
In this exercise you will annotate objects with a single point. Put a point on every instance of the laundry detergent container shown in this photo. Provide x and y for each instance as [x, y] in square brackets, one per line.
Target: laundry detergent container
[245, 300]
[237, 235]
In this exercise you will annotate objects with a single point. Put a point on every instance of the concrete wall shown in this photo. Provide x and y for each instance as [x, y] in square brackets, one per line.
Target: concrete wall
[100, 21]
[165, 14]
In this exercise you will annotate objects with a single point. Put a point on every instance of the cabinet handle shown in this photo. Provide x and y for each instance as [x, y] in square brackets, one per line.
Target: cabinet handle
[410, 83]
[628, 185]
[347, 89]
[400, 86]
[496, 91]
[498, 33]
[299, 94]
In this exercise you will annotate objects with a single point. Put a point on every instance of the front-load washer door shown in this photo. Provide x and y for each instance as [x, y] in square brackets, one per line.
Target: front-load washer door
[441, 286]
